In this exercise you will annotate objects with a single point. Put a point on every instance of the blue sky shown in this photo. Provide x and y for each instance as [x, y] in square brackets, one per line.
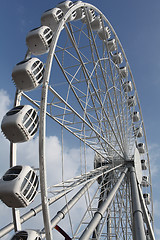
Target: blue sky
[137, 26]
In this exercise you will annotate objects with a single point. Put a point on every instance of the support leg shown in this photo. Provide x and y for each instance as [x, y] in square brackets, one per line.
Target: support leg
[138, 224]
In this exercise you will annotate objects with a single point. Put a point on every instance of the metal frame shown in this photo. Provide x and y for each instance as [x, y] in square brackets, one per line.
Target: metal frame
[138, 224]
[100, 212]
[118, 132]
[58, 191]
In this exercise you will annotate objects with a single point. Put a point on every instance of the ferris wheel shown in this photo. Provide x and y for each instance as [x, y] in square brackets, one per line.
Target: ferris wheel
[75, 81]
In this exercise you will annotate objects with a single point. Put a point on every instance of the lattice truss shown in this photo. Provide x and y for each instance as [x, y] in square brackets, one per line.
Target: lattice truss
[92, 104]
[117, 222]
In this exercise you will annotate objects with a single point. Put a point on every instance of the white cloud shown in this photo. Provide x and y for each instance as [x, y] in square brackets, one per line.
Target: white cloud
[4, 103]
[154, 152]
[28, 154]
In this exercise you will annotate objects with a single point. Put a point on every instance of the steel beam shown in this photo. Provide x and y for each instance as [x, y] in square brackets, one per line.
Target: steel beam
[146, 216]
[69, 186]
[104, 206]
[13, 162]
[61, 214]
[138, 223]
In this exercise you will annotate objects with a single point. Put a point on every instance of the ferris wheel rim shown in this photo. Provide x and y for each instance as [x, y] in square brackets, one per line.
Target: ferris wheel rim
[55, 39]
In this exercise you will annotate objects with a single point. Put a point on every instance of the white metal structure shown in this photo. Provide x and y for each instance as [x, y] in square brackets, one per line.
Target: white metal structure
[28, 74]
[20, 124]
[52, 17]
[86, 86]
[38, 40]
[27, 235]
[18, 186]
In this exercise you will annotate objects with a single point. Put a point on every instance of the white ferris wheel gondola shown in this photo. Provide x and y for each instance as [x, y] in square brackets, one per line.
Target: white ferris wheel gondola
[39, 39]
[131, 101]
[144, 164]
[123, 72]
[127, 86]
[65, 6]
[27, 235]
[145, 181]
[20, 124]
[52, 17]
[19, 186]
[28, 74]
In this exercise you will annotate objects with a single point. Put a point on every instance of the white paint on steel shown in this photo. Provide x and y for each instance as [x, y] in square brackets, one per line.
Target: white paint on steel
[100, 212]
[138, 166]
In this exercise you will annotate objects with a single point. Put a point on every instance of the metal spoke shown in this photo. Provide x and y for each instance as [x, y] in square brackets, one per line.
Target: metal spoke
[88, 77]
